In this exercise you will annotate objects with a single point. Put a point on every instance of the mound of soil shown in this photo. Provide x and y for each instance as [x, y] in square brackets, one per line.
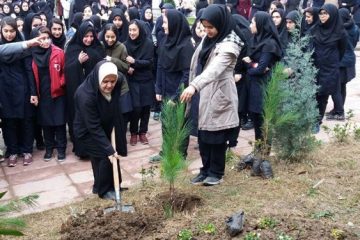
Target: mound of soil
[147, 220]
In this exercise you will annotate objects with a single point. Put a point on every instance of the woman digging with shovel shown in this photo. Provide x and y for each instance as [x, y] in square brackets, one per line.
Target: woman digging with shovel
[97, 113]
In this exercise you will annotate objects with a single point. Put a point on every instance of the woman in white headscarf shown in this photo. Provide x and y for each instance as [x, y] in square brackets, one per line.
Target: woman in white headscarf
[97, 112]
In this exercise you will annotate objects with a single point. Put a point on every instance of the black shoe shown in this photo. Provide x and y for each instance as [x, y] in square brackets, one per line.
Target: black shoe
[94, 190]
[61, 156]
[332, 112]
[40, 146]
[247, 126]
[336, 117]
[211, 181]
[109, 195]
[48, 155]
[199, 179]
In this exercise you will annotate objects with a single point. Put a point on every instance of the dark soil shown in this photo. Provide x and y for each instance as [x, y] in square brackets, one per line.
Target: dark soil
[147, 220]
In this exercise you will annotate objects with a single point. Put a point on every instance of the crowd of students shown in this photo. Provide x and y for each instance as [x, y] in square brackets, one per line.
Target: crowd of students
[223, 60]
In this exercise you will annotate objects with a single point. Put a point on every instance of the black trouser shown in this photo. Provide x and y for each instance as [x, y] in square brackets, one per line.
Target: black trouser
[55, 137]
[38, 134]
[142, 115]
[18, 135]
[103, 175]
[339, 99]
[258, 121]
[213, 159]
[322, 101]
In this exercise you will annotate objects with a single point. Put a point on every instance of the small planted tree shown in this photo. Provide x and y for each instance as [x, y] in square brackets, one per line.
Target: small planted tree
[294, 140]
[13, 226]
[272, 116]
[175, 131]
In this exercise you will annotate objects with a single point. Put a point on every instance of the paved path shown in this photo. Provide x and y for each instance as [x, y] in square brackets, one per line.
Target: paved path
[58, 184]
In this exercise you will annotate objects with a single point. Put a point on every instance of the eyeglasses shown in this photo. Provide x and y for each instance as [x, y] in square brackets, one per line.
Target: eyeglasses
[323, 13]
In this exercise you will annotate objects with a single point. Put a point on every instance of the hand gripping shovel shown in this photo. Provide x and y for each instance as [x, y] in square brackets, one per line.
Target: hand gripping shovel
[118, 206]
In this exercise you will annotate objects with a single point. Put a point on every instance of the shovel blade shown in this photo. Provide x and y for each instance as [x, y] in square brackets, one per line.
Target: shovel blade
[125, 208]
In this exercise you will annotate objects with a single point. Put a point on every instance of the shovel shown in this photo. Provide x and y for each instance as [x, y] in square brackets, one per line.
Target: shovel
[118, 206]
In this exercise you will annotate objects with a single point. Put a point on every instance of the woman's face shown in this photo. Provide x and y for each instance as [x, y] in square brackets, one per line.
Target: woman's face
[272, 8]
[276, 18]
[87, 13]
[36, 23]
[110, 37]
[309, 18]
[108, 83]
[16, 9]
[210, 30]
[20, 24]
[8, 32]
[324, 16]
[88, 39]
[25, 6]
[118, 22]
[253, 28]
[199, 30]
[43, 20]
[6, 9]
[56, 30]
[165, 24]
[46, 42]
[133, 31]
[148, 14]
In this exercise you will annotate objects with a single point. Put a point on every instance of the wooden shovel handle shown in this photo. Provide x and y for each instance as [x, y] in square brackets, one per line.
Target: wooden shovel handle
[115, 165]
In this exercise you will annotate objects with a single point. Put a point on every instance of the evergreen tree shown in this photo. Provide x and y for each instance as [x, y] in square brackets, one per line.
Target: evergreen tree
[294, 140]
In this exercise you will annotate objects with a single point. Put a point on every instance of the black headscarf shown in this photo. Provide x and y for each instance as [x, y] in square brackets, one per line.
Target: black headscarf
[177, 50]
[18, 37]
[193, 27]
[10, 9]
[135, 47]
[77, 20]
[305, 27]
[293, 16]
[96, 20]
[102, 36]
[133, 13]
[267, 38]
[59, 42]
[346, 18]
[282, 26]
[95, 51]
[330, 31]
[151, 21]
[124, 30]
[40, 55]
[22, 12]
[27, 25]
[222, 20]
[244, 26]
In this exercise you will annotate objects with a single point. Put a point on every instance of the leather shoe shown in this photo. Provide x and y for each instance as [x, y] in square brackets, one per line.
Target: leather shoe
[143, 139]
[133, 139]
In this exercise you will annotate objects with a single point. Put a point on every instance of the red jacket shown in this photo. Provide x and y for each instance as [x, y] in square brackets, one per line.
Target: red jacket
[56, 70]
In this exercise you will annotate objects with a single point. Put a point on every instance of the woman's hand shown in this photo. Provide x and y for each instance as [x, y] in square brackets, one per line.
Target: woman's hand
[113, 157]
[130, 59]
[83, 57]
[130, 71]
[159, 97]
[34, 100]
[237, 77]
[247, 59]
[187, 94]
